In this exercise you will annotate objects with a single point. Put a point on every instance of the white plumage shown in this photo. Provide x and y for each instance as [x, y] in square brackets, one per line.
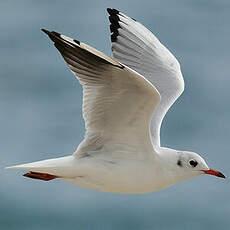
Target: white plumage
[136, 47]
[122, 98]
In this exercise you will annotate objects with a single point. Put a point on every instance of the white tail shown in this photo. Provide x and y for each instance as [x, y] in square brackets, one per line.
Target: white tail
[57, 167]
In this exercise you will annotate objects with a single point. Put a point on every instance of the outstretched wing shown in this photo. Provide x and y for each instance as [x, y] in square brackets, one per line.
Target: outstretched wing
[117, 102]
[136, 47]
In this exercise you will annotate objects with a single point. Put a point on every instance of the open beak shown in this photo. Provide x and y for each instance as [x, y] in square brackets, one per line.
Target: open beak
[214, 173]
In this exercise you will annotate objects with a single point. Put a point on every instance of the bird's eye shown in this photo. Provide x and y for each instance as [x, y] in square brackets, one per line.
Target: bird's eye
[193, 163]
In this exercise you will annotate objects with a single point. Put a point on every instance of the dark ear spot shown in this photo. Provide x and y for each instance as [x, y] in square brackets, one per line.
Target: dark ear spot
[179, 163]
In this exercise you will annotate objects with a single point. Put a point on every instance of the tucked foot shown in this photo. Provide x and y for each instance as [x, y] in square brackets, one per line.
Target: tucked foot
[40, 176]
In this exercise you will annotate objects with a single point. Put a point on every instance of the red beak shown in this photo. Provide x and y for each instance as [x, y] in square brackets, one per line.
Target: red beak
[214, 173]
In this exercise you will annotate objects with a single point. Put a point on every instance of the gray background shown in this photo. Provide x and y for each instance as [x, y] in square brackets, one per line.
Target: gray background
[40, 114]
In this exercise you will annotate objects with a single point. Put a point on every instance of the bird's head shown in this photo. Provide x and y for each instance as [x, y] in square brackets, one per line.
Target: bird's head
[194, 164]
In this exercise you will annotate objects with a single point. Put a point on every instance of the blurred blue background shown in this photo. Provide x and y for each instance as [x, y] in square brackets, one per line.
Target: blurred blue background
[40, 114]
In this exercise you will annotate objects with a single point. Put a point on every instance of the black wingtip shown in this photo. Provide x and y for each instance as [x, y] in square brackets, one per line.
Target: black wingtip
[112, 11]
[114, 26]
[52, 34]
[46, 31]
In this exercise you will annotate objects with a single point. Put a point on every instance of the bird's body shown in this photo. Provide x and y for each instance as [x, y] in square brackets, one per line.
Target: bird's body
[122, 98]
[116, 171]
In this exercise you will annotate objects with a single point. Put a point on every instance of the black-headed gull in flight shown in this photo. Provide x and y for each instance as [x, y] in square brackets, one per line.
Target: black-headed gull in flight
[125, 99]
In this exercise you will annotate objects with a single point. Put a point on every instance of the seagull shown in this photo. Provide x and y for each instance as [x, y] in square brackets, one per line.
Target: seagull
[125, 99]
